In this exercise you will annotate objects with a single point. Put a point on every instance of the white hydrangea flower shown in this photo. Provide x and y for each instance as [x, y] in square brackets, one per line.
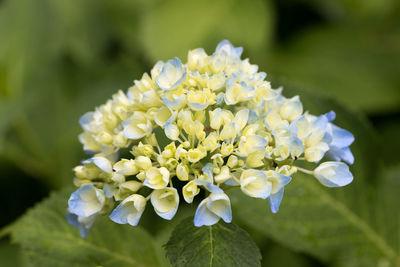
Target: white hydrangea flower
[225, 125]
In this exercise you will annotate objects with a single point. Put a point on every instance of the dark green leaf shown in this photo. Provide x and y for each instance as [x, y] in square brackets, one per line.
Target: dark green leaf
[10, 255]
[218, 245]
[49, 241]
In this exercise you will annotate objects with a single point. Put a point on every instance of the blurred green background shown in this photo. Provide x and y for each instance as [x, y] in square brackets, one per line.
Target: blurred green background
[61, 58]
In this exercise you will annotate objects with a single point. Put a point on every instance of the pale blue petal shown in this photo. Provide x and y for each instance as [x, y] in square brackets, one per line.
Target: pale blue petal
[231, 81]
[124, 214]
[293, 128]
[295, 142]
[330, 116]
[173, 104]
[275, 200]
[284, 180]
[168, 215]
[209, 186]
[204, 216]
[321, 123]
[197, 106]
[120, 214]
[248, 89]
[253, 117]
[327, 138]
[85, 120]
[333, 174]
[102, 163]
[177, 64]
[208, 169]
[72, 219]
[82, 208]
[84, 226]
[341, 137]
[220, 205]
[346, 155]
[328, 183]
[108, 190]
[222, 44]
[220, 98]
[338, 154]
[261, 75]
[238, 51]
[232, 182]
[229, 49]
[344, 176]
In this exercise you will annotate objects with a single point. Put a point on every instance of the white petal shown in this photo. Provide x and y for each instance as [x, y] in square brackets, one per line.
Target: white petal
[241, 118]
[171, 131]
[102, 163]
[165, 202]
[220, 205]
[204, 216]
[333, 174]
[129, 211]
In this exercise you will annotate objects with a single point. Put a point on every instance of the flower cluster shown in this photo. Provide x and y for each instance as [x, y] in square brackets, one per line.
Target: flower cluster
[212, 124]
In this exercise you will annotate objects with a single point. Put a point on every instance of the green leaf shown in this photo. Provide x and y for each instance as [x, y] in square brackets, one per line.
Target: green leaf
[276, 255]
[172, 28]
[311, 220]
[50, 241]
[346, 226]
[386, 211]
[10, 255]
[218, 245]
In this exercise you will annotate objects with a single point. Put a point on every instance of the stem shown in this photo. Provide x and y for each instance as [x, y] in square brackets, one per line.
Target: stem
[236, 179]
[184, 137]
[305, 171]
[149, 196]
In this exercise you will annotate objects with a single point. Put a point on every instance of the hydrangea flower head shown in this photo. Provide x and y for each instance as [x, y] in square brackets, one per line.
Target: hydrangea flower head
[212, 124]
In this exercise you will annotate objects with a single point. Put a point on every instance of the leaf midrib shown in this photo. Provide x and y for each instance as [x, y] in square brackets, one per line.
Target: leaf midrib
[357, 221]
[211, 246]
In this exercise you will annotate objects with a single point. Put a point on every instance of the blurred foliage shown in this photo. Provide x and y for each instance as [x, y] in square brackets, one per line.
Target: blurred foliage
[60, 59]
[357, 70]
[204, 24]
